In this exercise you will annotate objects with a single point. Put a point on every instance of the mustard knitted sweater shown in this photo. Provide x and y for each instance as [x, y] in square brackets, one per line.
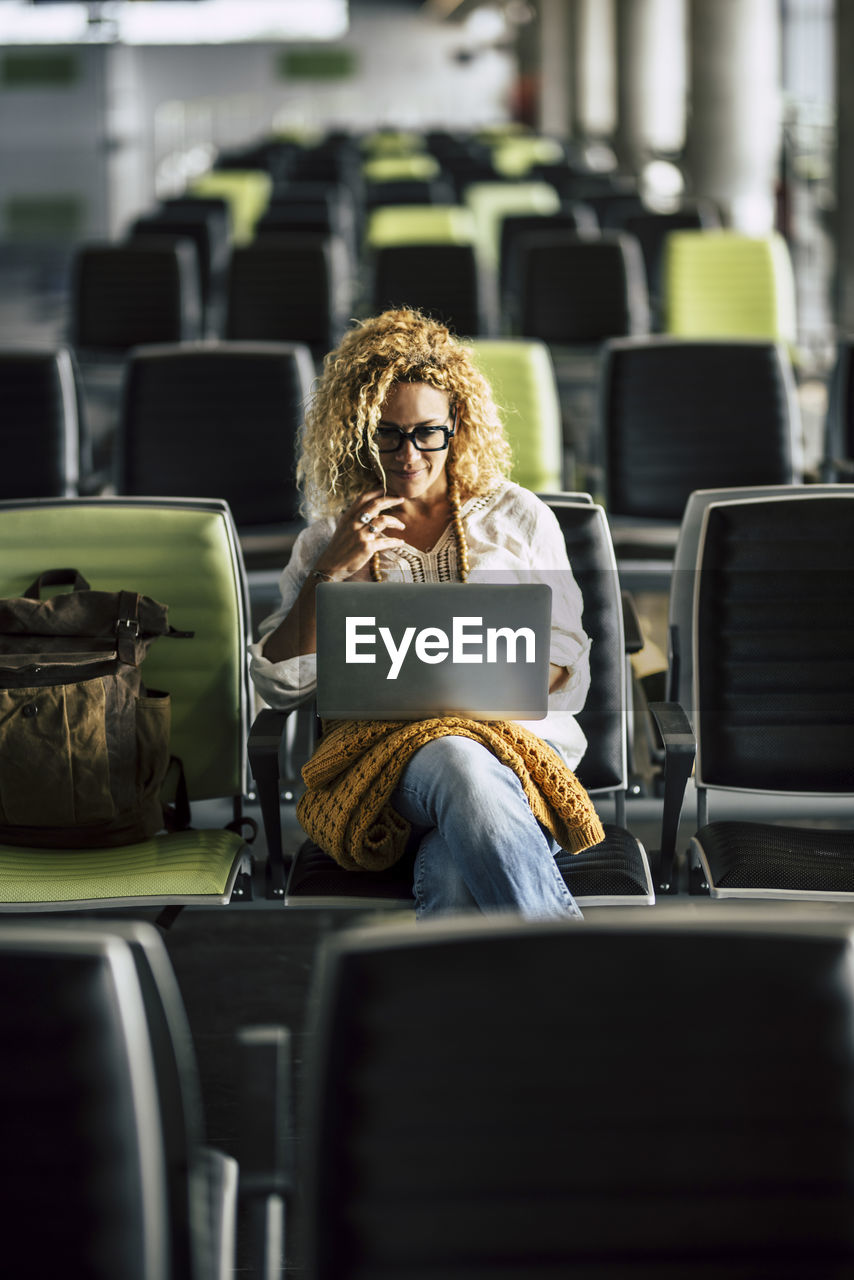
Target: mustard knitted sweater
[355, 769]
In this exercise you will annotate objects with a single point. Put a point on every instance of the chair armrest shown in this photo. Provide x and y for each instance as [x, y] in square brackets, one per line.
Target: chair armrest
[631, 624]
[680, 749]
[264, 739]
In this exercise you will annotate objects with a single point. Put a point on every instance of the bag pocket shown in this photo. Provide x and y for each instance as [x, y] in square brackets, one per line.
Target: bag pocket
[56, 770]
[153, 727]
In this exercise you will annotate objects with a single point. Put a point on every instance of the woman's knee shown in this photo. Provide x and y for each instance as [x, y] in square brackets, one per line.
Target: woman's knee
[467, 762]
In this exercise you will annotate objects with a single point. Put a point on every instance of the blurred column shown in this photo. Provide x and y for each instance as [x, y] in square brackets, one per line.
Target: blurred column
[556, 72]
[652, 53]
[844, 220]
[735, 118]
[594, 83]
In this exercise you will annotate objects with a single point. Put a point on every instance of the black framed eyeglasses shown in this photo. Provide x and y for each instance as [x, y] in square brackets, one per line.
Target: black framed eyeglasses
[425, 439]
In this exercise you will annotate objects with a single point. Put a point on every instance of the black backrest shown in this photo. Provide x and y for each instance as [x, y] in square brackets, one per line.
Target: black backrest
[139, 291]
[39, 424]
[577, 289]
[85, 1182]
[603, 718]
[290, 288]
[197, 228]
[678, 415]
[574, 217]
[469, 1119]
[651, 227]
[217, 420]
[774, 644]
[839, 434]
[442, 280]
[410, 191]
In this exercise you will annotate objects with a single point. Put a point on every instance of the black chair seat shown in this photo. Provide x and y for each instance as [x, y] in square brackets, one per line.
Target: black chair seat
[762, 856]
[315, 874]
[614, 869]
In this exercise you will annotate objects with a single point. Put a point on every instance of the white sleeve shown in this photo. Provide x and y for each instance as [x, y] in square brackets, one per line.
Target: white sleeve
[286, 684]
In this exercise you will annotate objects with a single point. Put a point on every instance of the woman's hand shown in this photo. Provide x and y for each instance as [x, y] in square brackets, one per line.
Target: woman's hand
[361, 530]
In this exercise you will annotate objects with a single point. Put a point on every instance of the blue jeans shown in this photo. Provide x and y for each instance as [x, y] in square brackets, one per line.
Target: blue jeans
[479, 846]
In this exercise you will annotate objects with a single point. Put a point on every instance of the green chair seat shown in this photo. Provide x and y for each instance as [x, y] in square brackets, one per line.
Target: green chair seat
[187, 866]
[183, 552]
[522, 377]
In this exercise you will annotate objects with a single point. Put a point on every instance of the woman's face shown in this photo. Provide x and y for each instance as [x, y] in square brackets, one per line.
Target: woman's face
[412, 473]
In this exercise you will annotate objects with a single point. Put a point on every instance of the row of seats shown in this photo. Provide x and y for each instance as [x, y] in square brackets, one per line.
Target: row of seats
[584, 1136]
[760, 673]
[224, 418]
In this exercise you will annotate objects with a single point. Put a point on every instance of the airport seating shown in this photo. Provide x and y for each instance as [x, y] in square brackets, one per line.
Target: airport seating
[577, 290]
[220, 419]
[43, 439]
[678, 415]
[294, 287]
[394, 168]
[528, 1153]
[409, 191]
[719, 283]
[127, 293]
[104, 1127]
[317, 207]
[207, 228]
[572, 217]
[838, 451]
[773, 716]
[419, 224]
[651, 227]
[247, 191]
[680, 602]
[614, 872]
[185, 553]
[447, 281]
[522, 378]
[491, 202]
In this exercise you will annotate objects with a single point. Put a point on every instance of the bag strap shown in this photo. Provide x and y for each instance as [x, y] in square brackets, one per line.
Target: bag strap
[56, 578]
[127, 628]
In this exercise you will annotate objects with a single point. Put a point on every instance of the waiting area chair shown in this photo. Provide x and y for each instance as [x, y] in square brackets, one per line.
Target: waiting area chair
[104, 1128]
[43, 436]
[446, 281]
[395, 224]
[247, 192]
[773, 671]
[290, 287]
[616, 871]
[141, 290]
[678, 415]
[220, 419]
[185, 553]
[719, 283]
[606, 1134]
[522, 377]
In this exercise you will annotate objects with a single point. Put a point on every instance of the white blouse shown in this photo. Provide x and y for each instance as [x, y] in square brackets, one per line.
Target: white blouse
[512, 536]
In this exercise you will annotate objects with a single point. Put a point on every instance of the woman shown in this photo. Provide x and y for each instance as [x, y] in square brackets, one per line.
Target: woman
[403, 468]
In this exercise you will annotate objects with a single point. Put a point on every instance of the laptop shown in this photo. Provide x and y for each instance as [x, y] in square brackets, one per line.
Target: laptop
[415, 650]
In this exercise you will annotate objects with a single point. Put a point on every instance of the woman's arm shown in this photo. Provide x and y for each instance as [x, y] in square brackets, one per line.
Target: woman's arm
[354, 541]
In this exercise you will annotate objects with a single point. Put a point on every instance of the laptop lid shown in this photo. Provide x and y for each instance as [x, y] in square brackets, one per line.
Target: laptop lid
[412, 651]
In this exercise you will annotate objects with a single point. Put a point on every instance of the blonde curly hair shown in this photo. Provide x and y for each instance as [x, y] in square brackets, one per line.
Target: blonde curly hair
[338, 455]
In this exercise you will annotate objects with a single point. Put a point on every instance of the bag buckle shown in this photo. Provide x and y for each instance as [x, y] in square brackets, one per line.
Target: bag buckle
[127, 634]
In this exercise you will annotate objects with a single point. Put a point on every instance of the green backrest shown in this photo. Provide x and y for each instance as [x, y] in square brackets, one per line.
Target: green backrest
[514, 157]
[184, 554]
[523, 382]
[393, 224]
[247, 192]
[719, 283]
[390, 168]
[490, 202]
